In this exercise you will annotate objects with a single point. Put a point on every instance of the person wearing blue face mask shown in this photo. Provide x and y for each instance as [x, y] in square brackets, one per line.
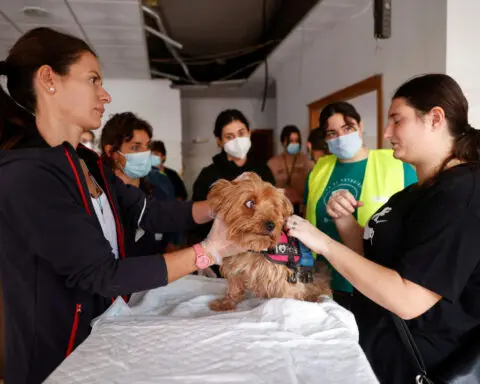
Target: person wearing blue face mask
[352, 170]
[125, 144]
[291, 167]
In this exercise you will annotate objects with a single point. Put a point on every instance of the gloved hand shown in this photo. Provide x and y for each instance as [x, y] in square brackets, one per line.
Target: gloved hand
[217, 244]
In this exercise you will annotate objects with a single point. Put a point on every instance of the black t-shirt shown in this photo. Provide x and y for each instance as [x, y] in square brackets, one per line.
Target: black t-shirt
[430, 236]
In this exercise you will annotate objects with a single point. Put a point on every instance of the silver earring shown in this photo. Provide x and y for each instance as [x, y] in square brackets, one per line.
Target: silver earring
[52, 89]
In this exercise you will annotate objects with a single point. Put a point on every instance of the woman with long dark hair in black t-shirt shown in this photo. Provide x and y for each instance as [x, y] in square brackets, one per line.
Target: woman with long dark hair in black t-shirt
[420, 258]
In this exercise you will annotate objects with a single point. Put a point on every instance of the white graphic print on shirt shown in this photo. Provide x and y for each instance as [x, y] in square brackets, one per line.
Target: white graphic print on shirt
[369, 232]
[344, 184]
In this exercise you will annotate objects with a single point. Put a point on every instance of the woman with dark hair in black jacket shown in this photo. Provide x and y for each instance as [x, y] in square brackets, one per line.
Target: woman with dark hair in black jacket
[62, 258]
[232, 133]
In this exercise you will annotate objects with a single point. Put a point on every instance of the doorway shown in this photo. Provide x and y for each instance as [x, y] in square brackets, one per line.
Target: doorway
[367, 97]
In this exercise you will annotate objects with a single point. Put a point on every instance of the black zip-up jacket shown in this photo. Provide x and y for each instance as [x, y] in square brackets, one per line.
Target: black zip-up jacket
[222, 168]
[57, 270]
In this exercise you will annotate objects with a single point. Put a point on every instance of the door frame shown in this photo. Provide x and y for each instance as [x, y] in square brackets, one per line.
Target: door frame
[373, 83]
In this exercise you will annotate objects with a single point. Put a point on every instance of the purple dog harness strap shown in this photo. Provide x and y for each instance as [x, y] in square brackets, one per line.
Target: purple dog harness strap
[288, 252]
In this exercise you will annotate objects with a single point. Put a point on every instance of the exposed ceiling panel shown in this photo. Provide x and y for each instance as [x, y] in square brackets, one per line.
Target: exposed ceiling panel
[222, 40]
[113, 27]
[215, 26]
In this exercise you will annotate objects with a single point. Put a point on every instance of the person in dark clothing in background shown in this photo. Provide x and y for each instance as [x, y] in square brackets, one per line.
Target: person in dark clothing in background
[166, 184]
[173, 179]
[59, 266]
[232, 133]
[316, 145]
[125, 146]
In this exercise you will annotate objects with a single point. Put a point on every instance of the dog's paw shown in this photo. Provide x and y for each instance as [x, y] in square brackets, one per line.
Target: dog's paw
[222, 305]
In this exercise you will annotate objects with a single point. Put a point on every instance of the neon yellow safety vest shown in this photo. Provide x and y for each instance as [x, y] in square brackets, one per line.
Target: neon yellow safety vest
[384, 176]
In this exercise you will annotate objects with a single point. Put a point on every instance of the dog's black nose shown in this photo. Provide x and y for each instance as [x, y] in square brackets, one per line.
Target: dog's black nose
[270, 226]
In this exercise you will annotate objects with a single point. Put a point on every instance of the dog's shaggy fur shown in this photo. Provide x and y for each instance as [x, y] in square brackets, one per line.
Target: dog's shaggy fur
[254, 212]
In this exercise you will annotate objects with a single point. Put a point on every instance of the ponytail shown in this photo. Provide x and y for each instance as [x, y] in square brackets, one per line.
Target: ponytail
[465, 149]
[467, 146]
[13, 119]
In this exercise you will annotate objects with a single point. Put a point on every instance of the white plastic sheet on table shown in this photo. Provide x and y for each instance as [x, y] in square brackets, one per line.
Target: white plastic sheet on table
[168, 335]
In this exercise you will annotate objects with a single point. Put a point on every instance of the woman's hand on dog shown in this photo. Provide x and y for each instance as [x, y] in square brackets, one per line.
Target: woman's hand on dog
[308, 234]
[342, 204]
[217, 243]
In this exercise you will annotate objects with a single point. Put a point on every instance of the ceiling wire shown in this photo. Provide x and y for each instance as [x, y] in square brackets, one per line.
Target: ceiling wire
[207, 59]
[227, 77]
[264, 29]
[241, 69]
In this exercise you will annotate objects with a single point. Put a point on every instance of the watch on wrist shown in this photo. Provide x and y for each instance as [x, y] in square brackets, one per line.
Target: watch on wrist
[202, 260]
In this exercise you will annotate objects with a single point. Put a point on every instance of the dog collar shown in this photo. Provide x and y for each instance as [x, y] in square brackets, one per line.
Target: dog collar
[294, 255]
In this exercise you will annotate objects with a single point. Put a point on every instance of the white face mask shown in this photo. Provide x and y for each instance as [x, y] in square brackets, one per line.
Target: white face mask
[238, 148]
[88, 144]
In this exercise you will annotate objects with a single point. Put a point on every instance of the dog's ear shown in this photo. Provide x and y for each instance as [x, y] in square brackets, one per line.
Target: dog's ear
[251, 176]
[218, 191]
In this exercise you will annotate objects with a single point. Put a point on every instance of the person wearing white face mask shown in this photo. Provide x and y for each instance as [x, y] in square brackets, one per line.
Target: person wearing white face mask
[351, 171]
[232, 133]
[291, 167]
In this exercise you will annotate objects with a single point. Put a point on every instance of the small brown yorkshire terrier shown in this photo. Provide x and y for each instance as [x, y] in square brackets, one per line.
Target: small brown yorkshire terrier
[254, 212]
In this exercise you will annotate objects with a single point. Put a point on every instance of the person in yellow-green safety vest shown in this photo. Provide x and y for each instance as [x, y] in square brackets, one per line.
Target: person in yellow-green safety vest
[370, 176]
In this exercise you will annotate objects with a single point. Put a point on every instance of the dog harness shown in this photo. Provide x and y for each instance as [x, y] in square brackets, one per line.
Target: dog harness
[294, 255]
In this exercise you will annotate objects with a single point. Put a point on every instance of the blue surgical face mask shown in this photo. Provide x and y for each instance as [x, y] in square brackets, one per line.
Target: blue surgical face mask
[293, 148]
[346, 146]
[139, 164]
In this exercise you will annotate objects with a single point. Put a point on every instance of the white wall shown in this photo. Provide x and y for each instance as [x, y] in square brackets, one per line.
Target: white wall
[157, 103]
[198, 120]
[463, 58]
[366, 105]
[348, 53]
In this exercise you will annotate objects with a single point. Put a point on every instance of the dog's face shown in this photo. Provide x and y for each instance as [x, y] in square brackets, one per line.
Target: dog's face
[253, 210]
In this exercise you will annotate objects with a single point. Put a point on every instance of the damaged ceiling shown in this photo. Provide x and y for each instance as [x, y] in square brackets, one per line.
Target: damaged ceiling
[216, 40]
[209, 42]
